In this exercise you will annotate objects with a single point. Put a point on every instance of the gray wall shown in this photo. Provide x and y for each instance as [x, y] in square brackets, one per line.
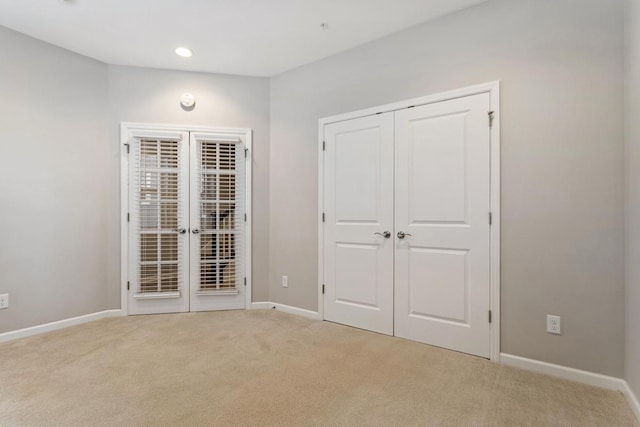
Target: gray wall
[560, 63]
[153, 96]
[53, 217]
[632, 138]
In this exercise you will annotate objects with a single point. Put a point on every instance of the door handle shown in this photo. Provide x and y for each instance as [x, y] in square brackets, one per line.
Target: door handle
[195, 231]
[402, 234]
[181, 230]
[385, 234]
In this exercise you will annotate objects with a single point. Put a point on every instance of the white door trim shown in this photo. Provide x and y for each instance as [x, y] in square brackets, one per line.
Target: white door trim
[130, 130]
[493, 89]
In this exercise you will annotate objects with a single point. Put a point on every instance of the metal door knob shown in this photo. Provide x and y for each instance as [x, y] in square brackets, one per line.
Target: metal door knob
[195, 231]
[402, 234]
[181, 230]
[385, 234]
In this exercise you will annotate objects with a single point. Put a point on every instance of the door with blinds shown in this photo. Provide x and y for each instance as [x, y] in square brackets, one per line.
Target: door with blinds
[217, 222]
[187, 221]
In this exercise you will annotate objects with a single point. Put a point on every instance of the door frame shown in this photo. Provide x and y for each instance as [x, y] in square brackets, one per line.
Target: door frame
[493, 89]
[129, 130]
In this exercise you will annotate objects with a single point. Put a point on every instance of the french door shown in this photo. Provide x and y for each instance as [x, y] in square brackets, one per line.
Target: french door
[217, 222]
[186, 221]
[407, 232]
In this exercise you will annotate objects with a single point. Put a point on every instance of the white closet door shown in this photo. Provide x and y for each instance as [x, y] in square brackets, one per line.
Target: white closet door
[217, 222]
[442, 187]
[358, 259]
[158, 239]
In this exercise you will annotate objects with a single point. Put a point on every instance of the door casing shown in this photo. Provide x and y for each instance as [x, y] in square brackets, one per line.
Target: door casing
[130, 130]
[493, 89]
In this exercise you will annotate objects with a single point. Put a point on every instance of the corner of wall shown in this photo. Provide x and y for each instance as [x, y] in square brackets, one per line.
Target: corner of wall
[632, 192]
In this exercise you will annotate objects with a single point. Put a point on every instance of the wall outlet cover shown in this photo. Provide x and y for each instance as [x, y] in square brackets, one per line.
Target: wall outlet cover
[4, 301]
[553, 324]
[285, 281]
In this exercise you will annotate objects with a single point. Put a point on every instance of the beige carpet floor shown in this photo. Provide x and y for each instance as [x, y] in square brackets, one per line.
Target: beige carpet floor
[268, 368]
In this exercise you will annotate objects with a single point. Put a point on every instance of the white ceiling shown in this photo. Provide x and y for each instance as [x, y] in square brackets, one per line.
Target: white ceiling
[247, 37]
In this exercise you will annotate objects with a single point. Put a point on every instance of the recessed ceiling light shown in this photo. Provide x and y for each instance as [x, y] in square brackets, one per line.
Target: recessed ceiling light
[184, 52]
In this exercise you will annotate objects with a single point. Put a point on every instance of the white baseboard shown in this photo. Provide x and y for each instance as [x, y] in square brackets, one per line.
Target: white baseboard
[286, 309]
[577, 375]
[632, 399]
[261, 305]
[60, 324]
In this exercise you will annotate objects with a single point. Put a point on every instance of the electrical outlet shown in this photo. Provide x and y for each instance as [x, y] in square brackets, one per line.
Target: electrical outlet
[4, 301]
[553, 324]
[285, 281]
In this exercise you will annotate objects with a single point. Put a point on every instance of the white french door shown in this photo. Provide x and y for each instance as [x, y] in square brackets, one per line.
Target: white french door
[187, 222]
[217, 222]
[406, 198]
[158, 222]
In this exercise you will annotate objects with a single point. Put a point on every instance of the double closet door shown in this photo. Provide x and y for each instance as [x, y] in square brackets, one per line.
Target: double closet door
[186, 222]
[407, 228]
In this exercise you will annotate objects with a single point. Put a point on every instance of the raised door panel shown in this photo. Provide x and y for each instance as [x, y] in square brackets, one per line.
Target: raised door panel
[437, 188]
[438, 284]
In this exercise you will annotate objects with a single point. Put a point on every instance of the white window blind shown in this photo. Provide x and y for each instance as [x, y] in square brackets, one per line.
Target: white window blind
[220, 178]
[158, 214]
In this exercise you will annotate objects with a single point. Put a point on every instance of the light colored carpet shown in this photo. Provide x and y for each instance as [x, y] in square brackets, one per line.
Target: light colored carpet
[269, 368]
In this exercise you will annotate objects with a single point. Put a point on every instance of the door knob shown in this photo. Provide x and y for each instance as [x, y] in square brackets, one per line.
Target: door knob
[181, 230]
[195, 231]
[402, 234]
[385, 234]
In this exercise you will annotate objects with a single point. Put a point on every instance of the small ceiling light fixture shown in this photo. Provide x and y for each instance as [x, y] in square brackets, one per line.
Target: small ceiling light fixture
[184, 52]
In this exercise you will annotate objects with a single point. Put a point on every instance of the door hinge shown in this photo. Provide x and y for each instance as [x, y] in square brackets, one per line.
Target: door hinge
[490, 218]
[128, 285]
[245, 217]
[128, 217]
[322, 216]
[489, 316]
[491, 113]
[126, 144]
[323, 289]
[324, 145]
[245, 152]
[245, 281]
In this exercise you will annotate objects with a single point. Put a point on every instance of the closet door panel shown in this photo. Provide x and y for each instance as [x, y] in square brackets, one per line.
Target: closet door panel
[358, 200]
[442, 204]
